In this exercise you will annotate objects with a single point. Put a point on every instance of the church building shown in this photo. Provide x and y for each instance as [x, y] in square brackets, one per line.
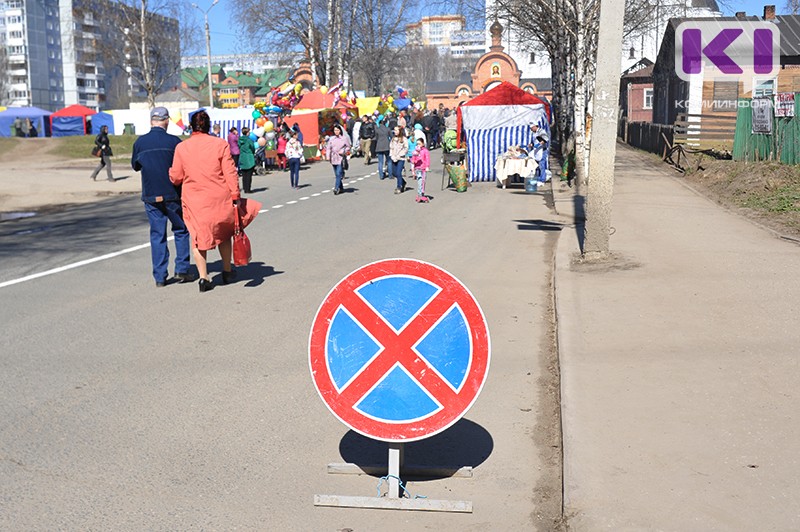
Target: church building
[491, 69]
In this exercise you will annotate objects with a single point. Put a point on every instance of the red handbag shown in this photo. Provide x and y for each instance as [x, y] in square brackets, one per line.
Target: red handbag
[242, 252]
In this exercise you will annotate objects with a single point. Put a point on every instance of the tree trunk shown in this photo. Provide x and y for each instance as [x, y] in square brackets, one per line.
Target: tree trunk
[311, 51]
[329, 51]
[348, 82]
[146, 74]
[579, 108]
[339, 56]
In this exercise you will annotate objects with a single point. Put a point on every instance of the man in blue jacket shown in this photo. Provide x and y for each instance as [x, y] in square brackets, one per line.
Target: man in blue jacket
[152, 155]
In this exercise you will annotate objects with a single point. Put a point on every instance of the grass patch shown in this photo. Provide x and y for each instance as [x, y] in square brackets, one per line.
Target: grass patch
[80, 147]
[782, 199]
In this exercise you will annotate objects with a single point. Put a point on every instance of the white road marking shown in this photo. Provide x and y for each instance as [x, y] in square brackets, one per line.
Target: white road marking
[141, 246]
[77, 264]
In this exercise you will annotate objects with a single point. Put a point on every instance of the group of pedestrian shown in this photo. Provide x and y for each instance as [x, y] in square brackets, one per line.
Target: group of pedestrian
[192, 185]
[393, 148]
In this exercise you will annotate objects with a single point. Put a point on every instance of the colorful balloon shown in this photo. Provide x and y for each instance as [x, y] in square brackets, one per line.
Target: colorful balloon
[343, 95]
[298, 88]
[268, 126]
[256, 114]
[323, 89]
[269, 135]
[262, 141]
[259, 132]
[253, 136]
[260, 121]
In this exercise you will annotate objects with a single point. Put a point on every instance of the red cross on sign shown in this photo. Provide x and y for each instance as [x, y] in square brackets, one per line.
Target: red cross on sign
[399, 350]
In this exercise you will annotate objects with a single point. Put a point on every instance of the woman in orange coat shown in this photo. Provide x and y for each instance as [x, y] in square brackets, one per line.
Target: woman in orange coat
[210, 191]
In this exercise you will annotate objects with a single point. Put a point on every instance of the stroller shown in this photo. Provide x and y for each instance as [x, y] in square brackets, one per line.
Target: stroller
[261, 160]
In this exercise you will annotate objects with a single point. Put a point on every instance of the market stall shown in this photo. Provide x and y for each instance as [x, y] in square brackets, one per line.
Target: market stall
[496, 120]
[315, 114]
[36, 116]
[70, 121]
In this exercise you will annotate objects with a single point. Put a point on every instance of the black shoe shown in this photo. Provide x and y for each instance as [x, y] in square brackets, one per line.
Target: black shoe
[336, 191]
[205, 285]
[161, 284]
[185, 277]
[228, 277]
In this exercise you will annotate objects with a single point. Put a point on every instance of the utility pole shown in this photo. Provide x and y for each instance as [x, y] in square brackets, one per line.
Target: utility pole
[208, 52]
[600, 189]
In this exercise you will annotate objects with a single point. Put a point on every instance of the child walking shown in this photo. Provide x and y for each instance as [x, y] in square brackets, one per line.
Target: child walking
[421, 159]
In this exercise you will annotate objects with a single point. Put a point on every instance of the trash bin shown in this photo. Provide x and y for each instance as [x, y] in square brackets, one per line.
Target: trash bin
[128, 130]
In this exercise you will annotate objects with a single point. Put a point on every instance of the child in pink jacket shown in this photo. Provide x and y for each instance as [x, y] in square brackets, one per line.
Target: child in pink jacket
[421, 159]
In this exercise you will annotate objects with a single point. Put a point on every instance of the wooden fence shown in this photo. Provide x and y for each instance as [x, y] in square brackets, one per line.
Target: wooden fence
[646, 136]
[706, 131]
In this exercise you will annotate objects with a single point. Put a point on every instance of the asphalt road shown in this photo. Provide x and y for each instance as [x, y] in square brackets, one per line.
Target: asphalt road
[127, 407]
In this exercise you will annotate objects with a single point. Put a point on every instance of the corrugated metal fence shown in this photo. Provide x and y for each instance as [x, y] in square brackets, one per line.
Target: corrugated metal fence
[782, 145]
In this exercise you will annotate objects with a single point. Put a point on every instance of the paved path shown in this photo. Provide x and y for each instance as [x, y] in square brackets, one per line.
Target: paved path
[680, 365]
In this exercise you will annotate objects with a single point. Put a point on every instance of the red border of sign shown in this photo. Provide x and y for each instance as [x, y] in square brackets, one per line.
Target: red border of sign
[461, 401]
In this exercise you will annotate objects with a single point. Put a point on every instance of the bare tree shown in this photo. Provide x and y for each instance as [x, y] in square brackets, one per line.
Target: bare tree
[421, 66]
[378, 36]
[792, 7]
[151, 51]
[301, 22]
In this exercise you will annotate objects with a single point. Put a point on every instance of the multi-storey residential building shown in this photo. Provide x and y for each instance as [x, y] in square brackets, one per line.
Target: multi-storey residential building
[32, 41]
[434, 30]
[257, 62]
[468, 44]
[56, 51]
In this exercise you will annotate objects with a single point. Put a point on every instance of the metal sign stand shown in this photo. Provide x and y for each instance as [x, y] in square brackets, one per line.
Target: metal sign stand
[394, 499]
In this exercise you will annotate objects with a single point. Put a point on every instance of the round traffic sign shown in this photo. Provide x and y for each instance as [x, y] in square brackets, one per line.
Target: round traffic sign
[399, 350]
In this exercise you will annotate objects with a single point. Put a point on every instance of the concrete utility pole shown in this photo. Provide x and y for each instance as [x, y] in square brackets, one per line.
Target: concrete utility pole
[600, 189]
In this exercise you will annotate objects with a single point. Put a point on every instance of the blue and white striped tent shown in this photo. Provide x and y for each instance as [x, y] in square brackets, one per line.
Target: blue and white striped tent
[497, 119]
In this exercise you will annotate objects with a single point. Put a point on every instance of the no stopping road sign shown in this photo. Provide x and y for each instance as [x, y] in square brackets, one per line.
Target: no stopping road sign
[399, 350]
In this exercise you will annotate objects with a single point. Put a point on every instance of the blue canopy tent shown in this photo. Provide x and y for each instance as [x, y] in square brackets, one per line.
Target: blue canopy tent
[102, 119]
[70, 120]
[34, 114]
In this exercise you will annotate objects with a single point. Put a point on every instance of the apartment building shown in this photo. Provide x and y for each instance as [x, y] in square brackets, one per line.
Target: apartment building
[59, 53]
[255, 62]
[448, 34]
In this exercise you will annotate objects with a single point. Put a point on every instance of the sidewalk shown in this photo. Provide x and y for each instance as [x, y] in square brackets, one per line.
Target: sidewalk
[680, 365]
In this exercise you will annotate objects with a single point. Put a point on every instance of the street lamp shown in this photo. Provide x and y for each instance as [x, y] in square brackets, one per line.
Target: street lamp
[208, 51]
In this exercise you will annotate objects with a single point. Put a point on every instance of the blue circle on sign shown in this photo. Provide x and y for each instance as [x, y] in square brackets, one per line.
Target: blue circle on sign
[397, 396]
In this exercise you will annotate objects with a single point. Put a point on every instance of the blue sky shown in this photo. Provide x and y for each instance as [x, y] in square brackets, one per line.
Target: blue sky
[224, 38]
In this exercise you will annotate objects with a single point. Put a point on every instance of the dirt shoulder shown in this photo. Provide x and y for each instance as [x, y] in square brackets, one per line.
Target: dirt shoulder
[36, 174]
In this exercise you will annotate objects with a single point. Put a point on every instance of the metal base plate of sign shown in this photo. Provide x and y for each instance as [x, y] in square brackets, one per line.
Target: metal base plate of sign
[394, 500]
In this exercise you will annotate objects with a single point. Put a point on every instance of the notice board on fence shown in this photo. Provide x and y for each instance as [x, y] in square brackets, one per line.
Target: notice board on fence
[784, 104]
[762, 115]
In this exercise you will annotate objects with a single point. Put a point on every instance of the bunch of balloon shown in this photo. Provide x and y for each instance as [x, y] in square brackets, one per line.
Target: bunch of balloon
[264, 135]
